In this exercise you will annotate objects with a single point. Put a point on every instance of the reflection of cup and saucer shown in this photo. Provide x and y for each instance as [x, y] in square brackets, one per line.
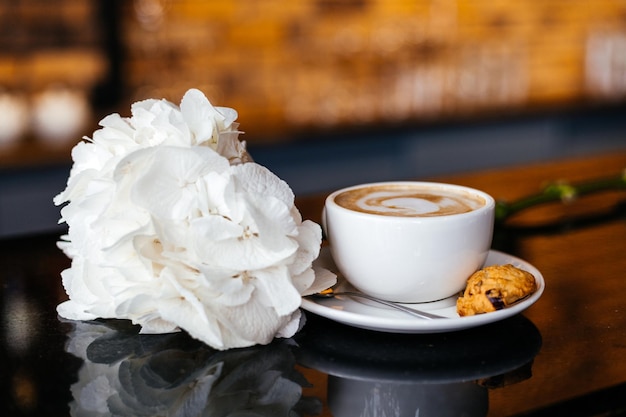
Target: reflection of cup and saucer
[445, 374]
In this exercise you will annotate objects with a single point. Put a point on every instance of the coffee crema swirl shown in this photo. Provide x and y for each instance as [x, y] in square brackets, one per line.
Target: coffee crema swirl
[408, 201]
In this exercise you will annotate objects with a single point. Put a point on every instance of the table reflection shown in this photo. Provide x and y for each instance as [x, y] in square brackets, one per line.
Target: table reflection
[129, 374]
[378, 374]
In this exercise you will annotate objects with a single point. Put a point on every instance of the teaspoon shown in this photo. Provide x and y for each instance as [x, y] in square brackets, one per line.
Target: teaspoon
[330, 293]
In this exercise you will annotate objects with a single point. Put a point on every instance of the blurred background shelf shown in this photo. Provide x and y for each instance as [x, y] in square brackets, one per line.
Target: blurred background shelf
[33, 153]
[290, 67]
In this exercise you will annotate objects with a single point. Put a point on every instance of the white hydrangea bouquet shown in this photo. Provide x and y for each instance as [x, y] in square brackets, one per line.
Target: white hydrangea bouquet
[172, 225]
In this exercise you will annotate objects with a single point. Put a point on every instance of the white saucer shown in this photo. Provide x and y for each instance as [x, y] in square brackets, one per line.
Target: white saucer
[367, 315]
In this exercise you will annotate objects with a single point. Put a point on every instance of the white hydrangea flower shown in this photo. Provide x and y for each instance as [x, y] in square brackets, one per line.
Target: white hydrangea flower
[172, 226]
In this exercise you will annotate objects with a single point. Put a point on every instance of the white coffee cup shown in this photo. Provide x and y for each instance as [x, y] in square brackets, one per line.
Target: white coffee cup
[409, 241]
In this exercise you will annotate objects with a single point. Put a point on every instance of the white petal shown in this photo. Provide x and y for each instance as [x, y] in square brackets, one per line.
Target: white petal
[200, 116]
[168, 187]
[186, 295]
[304, 280]
[275, 289]
[220, 243]
[183, 314]
[324, 279]
[255, 179]
[247, 325]
[309, 238]
[232, 148]
[216, 195]
[271, 219]
[228, 116]
[292, 326]
[73, 310]
[231, 288]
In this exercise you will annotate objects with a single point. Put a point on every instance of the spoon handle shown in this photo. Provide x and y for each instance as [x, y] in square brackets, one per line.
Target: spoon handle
[412, 311]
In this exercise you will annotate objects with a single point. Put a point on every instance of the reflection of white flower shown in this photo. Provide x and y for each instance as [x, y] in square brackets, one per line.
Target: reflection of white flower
[126, 374]
[172, 226]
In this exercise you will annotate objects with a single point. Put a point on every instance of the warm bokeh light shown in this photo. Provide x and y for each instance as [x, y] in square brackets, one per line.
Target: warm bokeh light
[290, 66]
[321, 63]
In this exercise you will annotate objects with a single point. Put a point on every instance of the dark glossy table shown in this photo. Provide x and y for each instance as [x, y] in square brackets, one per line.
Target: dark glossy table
[564, 356]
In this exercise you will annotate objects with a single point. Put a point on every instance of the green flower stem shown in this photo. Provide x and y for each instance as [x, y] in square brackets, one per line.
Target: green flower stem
[559, 191]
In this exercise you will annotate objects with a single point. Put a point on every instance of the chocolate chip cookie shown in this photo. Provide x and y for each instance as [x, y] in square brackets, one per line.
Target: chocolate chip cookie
[494, 288]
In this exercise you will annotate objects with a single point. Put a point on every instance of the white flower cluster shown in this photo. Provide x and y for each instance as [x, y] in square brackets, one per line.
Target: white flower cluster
[172, 226]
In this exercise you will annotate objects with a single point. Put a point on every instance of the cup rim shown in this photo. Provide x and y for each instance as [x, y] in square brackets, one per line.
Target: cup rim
[490, 202]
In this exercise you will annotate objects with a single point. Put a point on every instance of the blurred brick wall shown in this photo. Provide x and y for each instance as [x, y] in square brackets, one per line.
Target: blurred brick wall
[295, 65]
[46, 42]
[288, 65]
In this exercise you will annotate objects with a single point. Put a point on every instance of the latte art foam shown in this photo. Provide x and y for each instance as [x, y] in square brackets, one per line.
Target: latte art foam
[408, 201]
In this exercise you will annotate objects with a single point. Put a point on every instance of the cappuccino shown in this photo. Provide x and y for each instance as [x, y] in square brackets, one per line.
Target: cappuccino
[408, 200]
[421, 242]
